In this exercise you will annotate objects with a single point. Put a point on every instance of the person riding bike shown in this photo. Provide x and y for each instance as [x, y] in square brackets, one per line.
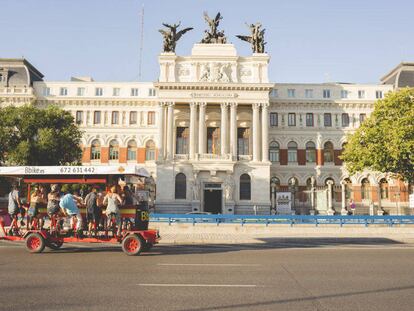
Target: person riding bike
[92, 210]
[53, 207]
[15, 207]
[70, 209]
[112, 201]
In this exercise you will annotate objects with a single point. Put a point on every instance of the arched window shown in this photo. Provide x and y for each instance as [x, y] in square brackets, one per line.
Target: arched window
[274, 152]
[365, 189]
[328, 152]
[310, 152]
[384, 189]
[180, 186]
[113, 150]
[150, 151]
[132, 150]
[245, 187]
[96, 150]
[292, 152]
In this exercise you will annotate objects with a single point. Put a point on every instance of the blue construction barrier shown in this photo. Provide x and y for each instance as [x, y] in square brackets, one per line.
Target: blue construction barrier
[389, 220]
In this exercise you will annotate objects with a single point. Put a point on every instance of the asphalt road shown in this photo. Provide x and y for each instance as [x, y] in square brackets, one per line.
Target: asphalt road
[279, 274]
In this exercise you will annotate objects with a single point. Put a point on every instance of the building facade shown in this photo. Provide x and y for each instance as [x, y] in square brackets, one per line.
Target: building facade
[217, 136]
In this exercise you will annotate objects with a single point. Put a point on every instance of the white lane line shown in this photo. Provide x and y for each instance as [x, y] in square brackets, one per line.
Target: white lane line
[209, 264]
[197, 285]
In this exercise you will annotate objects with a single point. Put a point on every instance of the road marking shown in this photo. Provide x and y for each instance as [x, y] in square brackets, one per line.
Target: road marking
[209, 264]
[197, 285]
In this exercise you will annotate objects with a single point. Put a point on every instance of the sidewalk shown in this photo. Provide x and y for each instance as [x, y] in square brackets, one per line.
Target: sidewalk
[236, 234]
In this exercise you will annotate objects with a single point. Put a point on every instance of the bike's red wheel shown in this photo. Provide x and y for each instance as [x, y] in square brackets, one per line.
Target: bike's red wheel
[132, 245]
[35, 243]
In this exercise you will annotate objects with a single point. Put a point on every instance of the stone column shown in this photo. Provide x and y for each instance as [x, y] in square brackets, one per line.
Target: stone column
[161, 131]
[343, 198]
[265, 132]
[170, 131]
[233, 129]
[193, 115]
[380, 211]
[202, 128]
[330, 211]
[223, 129]
[256, 133]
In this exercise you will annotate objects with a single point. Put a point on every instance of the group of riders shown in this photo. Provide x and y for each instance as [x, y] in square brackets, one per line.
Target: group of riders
[102, 209]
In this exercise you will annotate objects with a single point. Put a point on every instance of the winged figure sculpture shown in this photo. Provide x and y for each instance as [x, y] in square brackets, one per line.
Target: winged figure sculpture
[171, 36]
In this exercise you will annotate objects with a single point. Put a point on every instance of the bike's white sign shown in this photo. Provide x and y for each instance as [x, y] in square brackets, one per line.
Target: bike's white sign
[284, 203]
[412, 200]
[73, 170]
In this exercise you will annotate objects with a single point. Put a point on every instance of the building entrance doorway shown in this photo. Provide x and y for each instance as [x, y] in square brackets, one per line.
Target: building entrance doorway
[213, 198]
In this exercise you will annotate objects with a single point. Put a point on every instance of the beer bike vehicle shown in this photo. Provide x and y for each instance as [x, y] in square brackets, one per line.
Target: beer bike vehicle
[134, 236]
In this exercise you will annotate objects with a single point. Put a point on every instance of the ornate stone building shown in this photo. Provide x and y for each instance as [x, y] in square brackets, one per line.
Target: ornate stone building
[217, 136]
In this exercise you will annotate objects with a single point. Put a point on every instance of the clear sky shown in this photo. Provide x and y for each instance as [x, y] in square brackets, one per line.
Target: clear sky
[308, 40]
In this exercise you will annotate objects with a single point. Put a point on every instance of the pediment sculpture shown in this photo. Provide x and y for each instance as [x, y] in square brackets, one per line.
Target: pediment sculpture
[215, 72]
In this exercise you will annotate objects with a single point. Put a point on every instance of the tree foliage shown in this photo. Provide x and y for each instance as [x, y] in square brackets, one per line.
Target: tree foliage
[33, 136]
[385, 141]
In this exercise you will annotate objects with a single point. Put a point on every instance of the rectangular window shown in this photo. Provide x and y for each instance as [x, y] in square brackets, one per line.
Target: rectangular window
[98, 91]
[46, 91]
[115, 117]
[181, 140]
[151, 92]
[273, 118]
[151, 117]
[378, 94]
[308, 93]
[63, 91]
[362, 117]
[361, 94]
[327, 119]
[116, 91]
[243, 138]
[326, 93]
[274, 93]
[80, 91]
[291, 93]
[213, 140]
[79, 117]
[345, 120]
[344, 94]
[309, 119]
[292, 119]
[133, 117]
[96, 117]
[134, 92]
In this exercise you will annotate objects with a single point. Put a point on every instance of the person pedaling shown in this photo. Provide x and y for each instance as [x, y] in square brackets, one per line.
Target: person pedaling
[112, 201]
[68, 205]
[15, 208]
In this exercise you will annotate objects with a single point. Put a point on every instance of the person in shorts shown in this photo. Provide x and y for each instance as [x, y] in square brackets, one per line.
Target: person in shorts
[15, 206]
[68, 205]
[37, 198]
[93, 212]
[53, 199]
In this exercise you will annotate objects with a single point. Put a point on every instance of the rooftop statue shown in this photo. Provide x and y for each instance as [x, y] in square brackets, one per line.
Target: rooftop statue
[213, 35]
[256, 39]
[171, 36]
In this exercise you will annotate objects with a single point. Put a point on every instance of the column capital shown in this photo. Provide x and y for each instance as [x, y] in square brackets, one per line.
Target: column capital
[170, 104]
[256, 105]
[193, 104]
[233, 104]
[265, 105]
[203, 104]
[224, 105]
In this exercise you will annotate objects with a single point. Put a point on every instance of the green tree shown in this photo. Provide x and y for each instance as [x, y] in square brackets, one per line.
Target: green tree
[385, 141]
[33, 136]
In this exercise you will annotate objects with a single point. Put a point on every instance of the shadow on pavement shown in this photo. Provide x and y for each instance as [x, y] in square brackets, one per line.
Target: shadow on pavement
[262, 244]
